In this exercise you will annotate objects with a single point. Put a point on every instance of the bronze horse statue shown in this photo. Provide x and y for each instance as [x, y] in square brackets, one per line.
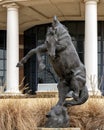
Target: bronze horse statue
[66, 63]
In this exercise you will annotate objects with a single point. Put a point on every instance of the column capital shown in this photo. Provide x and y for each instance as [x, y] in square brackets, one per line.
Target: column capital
[91, 1]
[11, 5]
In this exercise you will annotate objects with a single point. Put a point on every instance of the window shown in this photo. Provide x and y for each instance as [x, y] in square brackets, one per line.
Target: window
[100, 49]
[2, 58]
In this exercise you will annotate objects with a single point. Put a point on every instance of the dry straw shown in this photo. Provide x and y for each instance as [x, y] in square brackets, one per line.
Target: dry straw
[27, 114]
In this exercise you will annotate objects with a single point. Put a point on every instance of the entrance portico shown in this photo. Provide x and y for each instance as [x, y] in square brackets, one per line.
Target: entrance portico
[34, 16]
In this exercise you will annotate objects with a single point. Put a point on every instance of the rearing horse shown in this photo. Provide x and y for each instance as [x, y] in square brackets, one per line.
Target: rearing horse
[66, 63]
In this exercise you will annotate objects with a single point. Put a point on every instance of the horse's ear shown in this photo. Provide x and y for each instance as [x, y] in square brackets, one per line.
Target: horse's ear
[55, 18]
[55, 22]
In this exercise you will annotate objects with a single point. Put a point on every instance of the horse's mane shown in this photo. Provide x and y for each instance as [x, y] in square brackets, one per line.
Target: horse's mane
[50, 31]
[62, 32]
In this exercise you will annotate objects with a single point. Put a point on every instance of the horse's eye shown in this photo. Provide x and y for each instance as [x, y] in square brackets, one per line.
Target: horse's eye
[47, 42]
[56, 31]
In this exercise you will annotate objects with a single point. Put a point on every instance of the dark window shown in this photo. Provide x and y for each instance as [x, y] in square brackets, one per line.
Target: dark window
[101, 56]
[76, 30]
[30, 67]
[2, 57]
[100, 49]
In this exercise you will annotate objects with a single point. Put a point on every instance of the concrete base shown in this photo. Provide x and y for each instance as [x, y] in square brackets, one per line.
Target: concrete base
[48, 87]
[12, 92]
[37, 95]
[11, 95]
[57, 129]
[57, 117]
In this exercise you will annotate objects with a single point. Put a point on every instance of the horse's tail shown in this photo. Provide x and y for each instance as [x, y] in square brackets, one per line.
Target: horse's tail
[83, 97]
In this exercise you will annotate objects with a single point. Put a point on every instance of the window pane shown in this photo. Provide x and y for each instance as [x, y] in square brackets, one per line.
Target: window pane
[4, 54]
[1, 53]
[72, 28]
[5, 64]
[0, 81]
[99, 46]
[99, 70]
[41, 32]
[103, 46]
[1, 65]
[99, 38]
[99, 58]
[80, 28]
[103, 58]
[1, 73]
[80, 46]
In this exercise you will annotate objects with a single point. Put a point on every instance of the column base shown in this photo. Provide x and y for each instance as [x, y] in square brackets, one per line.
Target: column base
[94, 93]
[12, 92]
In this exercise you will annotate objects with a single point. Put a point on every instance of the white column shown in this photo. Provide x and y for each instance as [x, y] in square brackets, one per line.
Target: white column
[91, 60]
[12, 48]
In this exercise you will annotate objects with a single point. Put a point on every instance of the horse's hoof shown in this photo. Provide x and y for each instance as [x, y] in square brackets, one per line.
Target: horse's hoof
[19, 64]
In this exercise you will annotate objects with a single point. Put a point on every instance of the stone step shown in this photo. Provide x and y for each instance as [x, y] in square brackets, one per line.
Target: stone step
[57, 129]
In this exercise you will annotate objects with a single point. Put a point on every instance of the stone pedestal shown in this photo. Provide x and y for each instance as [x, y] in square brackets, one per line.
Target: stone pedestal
[57, 129]
[57, 117]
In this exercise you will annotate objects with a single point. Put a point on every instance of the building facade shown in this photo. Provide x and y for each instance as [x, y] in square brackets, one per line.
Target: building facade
[25, 28]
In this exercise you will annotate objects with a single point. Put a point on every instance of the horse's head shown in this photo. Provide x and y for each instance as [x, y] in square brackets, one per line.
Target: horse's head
[51, 41]
[54, 35]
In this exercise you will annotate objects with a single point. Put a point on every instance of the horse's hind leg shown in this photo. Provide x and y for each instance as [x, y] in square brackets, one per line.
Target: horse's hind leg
[75, 87]
[63, 89]
[83, 97]
[77, 83]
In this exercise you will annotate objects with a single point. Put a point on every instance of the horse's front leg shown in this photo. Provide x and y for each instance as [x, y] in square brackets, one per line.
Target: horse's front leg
[63, 89]
[25, 58]
[38, 50]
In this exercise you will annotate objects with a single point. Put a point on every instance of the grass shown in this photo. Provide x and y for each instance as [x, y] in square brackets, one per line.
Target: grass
[89, 116]
[27, 114]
